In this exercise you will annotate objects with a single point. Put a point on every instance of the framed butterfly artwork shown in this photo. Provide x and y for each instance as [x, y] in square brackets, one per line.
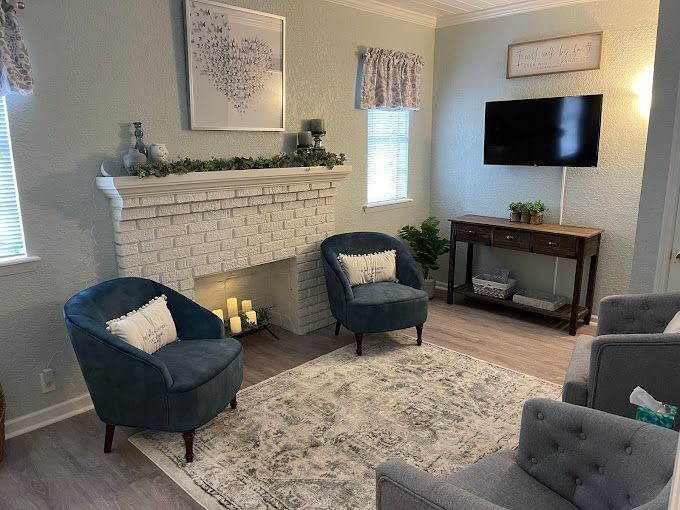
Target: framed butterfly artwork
[236, 67]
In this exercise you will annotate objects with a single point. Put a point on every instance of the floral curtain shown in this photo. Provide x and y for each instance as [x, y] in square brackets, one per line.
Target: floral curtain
[16, 76]
[391, 80]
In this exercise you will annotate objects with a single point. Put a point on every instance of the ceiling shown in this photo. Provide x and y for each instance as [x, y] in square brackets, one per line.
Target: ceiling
[442, 13]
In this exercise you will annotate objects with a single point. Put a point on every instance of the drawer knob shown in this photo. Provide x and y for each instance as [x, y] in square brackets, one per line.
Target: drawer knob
[553, 243]
[471, 232]
[510, 238]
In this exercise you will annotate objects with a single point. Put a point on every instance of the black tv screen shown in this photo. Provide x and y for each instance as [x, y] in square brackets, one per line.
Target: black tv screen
[557, 131]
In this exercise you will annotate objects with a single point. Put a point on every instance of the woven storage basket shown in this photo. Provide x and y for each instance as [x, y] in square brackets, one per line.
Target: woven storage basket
[2, 424]
[482, 284]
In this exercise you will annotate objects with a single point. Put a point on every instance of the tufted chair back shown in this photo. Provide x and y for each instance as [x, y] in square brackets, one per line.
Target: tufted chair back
[597, 460]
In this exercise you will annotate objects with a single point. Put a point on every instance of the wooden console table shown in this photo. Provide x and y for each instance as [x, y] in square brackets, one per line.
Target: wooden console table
[556, 240]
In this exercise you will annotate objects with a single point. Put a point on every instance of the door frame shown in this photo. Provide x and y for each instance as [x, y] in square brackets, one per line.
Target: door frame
[670, 210]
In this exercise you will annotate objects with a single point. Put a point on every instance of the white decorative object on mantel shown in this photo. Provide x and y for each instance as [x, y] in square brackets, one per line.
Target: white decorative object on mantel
[557, 55]
[178, 228]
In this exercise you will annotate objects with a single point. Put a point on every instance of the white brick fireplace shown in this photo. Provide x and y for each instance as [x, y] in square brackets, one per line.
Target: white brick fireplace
[179, 228]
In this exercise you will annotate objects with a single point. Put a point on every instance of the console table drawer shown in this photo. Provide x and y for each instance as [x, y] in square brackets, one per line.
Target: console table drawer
[548, 244]
[513, 239]
[473, 234]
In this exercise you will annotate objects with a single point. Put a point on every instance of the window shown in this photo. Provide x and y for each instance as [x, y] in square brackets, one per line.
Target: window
[12, 245]
[387, 156]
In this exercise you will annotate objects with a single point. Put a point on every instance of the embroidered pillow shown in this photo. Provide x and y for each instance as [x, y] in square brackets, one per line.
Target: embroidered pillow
[148, 328]
[369, 268]
[674, 325]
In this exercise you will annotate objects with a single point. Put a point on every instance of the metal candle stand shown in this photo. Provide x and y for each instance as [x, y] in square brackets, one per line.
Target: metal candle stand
[318, 141]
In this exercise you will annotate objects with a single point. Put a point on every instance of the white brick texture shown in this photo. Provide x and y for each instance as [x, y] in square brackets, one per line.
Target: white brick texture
[176, 237]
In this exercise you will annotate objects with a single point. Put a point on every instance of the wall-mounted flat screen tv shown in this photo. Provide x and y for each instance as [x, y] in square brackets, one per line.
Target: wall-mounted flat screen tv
[556, 131]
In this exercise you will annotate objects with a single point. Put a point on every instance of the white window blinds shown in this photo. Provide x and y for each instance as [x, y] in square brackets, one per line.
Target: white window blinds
[387, 155]
[11, 231]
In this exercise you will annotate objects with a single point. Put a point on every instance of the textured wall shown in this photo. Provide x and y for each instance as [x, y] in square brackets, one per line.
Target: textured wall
[100, 65]
[470, 70]
[659, 141]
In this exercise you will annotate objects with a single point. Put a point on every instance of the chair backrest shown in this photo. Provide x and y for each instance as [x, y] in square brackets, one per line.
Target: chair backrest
[594, 459]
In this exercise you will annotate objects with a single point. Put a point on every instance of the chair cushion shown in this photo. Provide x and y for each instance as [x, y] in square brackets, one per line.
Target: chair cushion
[385, 306]
[192, 363]
[385, 292]
[498, 479]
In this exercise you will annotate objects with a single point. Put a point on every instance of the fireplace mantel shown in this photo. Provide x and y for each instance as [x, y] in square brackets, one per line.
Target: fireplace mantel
[130, 186]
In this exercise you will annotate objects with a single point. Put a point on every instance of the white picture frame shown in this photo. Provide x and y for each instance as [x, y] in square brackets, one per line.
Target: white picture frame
[566, 54]
[222, 100]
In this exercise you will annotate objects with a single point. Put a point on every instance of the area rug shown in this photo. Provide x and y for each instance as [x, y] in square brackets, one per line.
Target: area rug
[311, 437]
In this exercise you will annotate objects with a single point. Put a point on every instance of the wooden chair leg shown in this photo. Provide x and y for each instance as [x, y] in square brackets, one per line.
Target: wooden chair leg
[189, 445]
[359, 337]
[419, 329]
[233, 402]
[337, 328]
[108, 438]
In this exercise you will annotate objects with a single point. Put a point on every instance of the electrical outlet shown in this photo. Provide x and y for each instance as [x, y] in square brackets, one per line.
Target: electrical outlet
[47, 380]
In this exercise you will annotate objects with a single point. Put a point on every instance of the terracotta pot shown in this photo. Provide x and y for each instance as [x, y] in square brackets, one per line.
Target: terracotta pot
[428, 286]
[537, 218]
[515, 216]
[526, 217]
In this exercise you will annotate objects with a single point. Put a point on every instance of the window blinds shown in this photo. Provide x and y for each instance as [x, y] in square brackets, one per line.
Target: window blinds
[11, 231]
[387, 155]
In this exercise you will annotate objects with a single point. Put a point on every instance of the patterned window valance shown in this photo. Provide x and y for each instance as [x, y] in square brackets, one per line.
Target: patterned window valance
[391, 80]
[16, 76]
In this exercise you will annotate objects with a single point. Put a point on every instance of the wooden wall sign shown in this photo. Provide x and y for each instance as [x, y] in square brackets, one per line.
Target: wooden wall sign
[558, 55]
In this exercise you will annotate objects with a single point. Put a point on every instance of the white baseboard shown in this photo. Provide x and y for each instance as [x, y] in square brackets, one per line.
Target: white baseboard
[49, 415]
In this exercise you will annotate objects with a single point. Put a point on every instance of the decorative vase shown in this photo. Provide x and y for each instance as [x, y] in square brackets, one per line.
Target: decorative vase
[428, 286]
[158, 152]
[132, 158]
[526, 217]
[537, 218]
[2, 425]
[515, 216]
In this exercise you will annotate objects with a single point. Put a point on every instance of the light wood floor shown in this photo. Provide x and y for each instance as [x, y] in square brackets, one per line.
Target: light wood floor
[63, 466]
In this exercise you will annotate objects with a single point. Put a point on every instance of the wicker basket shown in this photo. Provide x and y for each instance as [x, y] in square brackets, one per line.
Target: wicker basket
[484, 285]
[2, 424]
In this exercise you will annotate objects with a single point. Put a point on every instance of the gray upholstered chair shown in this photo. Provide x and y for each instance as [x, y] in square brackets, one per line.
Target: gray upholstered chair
[374, 307]
[630, 350]
[180, 387]
[569, 458]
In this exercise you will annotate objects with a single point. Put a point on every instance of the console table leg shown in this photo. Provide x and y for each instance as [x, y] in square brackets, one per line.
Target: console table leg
[576, 296]
[468, 267]
[592, 274]
[452, 266]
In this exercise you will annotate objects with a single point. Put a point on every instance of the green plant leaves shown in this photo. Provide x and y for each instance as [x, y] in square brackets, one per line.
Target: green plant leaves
[426, 243]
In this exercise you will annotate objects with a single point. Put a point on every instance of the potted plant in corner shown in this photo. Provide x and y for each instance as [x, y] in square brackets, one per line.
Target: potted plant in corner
[515, 211]
[525, 209]
[427, 247]
[537, 210]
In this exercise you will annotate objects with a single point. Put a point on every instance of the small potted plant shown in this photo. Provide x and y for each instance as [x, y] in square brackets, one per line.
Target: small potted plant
[537, 210]
[526, 212]
[427, 247]
[515, 211]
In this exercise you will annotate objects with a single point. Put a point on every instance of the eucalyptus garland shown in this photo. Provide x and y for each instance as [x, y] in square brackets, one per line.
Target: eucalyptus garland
[299, 158]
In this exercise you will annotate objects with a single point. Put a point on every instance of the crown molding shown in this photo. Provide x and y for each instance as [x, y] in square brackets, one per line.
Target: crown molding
[391, 11]
[504, 10]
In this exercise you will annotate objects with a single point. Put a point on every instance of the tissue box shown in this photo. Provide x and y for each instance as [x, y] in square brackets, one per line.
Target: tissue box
[662, 420]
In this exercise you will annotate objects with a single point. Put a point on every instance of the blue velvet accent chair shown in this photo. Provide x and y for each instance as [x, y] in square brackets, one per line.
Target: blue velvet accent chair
[374, 307]
[180, 387]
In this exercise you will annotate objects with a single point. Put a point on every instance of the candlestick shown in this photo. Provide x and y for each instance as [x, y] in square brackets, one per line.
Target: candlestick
[317, 126]
[252, 317]
[304, 139]
[246, 305]
[232, 307]
[219, 313]
[235, 325]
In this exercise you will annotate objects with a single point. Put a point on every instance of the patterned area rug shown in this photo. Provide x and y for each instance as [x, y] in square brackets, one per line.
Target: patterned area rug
[312, 437]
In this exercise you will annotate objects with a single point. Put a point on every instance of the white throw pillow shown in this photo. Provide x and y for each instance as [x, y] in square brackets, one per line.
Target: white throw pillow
[369, 268]
[148, 328]
[673, 325]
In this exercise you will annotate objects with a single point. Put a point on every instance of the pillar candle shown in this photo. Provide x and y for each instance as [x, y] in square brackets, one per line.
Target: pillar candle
[316, 126]
[246, 305]
[232, 307]
[235, 325]
[219, 313]
[304, 138]
[252, 317]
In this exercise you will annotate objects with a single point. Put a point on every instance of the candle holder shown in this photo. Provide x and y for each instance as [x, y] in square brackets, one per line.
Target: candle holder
[318, 141]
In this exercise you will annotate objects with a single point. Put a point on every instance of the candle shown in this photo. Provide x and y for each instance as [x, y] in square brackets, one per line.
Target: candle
[246, 305]
[252, 317]
[219, 313]
[316, 126]
[235, 325]
[232, 307]
[304, 138]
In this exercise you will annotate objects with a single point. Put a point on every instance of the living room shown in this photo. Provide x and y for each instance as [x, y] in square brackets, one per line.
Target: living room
[252, 170]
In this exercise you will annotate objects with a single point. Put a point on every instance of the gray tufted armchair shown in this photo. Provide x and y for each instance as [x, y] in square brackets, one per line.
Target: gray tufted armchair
[569, 458]
[630, 350]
